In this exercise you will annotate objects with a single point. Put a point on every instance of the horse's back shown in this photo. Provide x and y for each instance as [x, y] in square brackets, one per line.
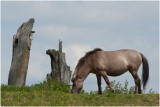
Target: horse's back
[127, 56]
[133, 57]
[117, 62]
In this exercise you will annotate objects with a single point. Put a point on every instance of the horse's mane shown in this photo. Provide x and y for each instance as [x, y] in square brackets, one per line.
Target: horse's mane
[82, 61]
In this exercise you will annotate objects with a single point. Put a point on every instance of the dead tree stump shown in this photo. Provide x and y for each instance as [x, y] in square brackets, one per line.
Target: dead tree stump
[21, 52]
[60, 70]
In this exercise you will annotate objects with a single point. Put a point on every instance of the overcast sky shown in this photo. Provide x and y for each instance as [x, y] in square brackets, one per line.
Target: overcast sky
[82, 26]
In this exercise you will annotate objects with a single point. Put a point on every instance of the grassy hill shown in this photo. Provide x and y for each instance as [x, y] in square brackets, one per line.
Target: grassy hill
[56, 94]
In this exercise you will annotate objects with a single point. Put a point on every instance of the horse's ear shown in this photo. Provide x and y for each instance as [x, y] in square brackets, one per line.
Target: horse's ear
[74, 78]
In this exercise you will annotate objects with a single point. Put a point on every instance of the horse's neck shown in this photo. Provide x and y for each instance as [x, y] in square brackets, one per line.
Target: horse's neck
[83, 75]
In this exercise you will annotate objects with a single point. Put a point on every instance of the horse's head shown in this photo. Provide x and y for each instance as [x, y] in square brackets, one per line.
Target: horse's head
[77, 85]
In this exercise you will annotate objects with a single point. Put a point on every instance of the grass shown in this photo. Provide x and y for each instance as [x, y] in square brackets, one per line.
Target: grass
[53, 93]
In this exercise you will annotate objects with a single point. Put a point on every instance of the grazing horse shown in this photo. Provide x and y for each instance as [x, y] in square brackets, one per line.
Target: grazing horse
[112, 63]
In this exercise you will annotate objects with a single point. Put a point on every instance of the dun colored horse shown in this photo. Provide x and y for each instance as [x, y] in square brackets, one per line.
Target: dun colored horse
[112, 63]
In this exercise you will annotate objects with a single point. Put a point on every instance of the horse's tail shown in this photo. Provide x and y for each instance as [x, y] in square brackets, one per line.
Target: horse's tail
[145, 73]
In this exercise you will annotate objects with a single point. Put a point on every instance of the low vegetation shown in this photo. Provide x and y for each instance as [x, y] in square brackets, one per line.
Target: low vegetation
[52, 93]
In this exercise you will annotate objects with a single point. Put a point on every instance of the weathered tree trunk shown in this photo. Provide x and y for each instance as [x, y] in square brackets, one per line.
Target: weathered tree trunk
[21, 52]
[60, 70]
[55, 73]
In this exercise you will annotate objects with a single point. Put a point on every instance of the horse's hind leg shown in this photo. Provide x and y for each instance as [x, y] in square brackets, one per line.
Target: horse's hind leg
[137, 81]
[99, 84]
[104, 75]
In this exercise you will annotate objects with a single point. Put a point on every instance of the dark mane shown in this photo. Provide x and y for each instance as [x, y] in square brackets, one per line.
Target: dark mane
[83, 59]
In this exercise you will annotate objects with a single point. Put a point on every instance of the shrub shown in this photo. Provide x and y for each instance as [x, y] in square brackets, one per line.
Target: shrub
[118, 88]
[50, 85]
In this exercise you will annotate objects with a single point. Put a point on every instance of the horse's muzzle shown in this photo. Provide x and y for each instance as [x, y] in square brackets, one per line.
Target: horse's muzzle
[74, 92]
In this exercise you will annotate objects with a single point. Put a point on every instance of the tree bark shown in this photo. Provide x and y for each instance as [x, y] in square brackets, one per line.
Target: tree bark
[21, 52]
[60, 71]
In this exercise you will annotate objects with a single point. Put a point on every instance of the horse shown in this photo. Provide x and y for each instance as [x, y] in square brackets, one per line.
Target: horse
[111, 63]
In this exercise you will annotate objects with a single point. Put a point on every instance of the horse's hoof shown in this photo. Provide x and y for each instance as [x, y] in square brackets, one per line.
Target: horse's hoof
[112, 91]
[100, 93]
[140, 92]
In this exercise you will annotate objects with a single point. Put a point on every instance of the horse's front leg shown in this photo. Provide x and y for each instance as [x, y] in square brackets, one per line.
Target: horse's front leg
[104, 75]
[99, 83]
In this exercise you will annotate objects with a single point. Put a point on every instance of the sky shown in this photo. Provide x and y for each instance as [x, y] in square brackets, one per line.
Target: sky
[82, 26]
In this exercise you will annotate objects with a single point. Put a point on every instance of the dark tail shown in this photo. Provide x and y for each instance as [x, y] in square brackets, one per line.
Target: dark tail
[145, 73]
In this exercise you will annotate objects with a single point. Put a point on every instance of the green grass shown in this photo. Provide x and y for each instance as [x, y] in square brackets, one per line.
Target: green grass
[56, 94]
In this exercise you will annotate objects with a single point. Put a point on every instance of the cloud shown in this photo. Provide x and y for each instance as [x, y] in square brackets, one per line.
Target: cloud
[53, 32]
[74, 52]
[39, 66]
[84, 13]
[5, 67]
